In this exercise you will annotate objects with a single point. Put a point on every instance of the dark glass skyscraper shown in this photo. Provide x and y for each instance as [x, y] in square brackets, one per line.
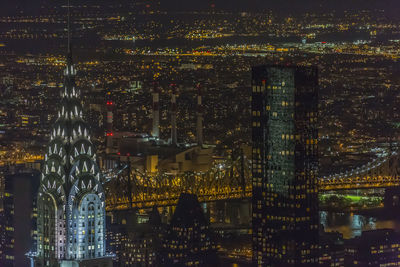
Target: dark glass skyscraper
[285, 166]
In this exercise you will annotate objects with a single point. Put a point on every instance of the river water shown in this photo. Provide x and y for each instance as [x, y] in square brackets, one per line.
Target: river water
[351, 224]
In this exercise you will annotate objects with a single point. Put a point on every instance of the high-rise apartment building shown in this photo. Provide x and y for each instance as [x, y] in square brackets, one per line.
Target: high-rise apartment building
[285, 166]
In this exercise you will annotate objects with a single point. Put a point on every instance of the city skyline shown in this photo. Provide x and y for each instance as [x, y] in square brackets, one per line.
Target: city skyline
[199, 134]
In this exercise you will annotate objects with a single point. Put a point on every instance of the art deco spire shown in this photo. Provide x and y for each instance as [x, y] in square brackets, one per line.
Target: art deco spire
[71, 208]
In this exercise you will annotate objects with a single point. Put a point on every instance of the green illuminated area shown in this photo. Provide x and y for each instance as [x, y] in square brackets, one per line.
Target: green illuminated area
[331, 200]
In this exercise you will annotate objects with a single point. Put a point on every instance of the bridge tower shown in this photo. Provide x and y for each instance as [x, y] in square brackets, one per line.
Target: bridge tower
[392, 194]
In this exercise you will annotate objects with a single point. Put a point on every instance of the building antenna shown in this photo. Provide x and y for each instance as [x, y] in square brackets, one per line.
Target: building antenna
[68, 28]
[69, 49]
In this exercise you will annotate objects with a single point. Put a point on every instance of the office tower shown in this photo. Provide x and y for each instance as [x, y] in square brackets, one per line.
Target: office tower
[284, 166]
[373, 248]
[71, 200]
[187, 241]
[6, 228]
[136, 238]
[18, 187]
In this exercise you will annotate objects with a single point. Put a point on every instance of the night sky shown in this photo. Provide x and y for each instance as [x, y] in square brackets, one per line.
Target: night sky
[392, 6]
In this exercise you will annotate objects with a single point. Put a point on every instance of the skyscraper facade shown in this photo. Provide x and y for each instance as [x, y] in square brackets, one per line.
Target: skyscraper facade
[71, 208]
[18, 188]
[284, 166]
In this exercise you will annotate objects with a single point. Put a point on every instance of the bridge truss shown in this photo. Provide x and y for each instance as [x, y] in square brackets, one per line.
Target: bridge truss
[381, 172]
[231, 179]
[225, 180]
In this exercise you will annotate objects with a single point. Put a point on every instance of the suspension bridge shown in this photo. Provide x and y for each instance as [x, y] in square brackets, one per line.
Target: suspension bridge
[231, 180]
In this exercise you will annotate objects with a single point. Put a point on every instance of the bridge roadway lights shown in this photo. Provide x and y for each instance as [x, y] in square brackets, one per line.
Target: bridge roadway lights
[392, 198]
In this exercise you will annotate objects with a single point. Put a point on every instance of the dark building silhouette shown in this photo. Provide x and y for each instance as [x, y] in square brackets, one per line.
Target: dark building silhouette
[18, 187]
[188, 239]
[332, 249]
[136, 238]
[285, 164]
[373, 248]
